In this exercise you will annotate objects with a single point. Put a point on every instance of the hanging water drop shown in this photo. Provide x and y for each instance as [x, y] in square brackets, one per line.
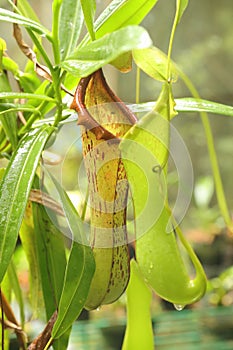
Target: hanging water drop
[179, 307]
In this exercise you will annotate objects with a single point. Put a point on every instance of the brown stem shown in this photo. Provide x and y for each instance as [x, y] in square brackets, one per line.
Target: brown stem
[40, 197]
[44, 337]
[12, 321]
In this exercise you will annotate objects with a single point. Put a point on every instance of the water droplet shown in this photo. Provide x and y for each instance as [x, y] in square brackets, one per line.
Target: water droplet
[98, 308]
[157, 169]
[62, 51]
[179, 307]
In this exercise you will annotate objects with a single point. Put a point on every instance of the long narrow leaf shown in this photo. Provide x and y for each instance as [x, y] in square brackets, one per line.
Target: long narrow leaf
[25, 95]
[79, 272]
[50, 246]
[89, 8]
[17, 290]
[8, 108]
[182, 4]
[9, 16]
[51, 255]
[28, 241]
[70, 25]
[9, 124]
[199, 105]
[189, 104]
[14, 190]
[26, 10]
[120, 14]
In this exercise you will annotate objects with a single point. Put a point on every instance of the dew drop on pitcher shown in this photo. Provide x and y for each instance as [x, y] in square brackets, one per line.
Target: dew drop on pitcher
[179, 307]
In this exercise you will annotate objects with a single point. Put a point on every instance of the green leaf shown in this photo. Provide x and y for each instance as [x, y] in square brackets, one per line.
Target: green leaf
[2, 171]
[10, 65]
[2, 45]
[189, 104]
[7, 108]
[77, 283]
[56, 7]
[181, 5]
[36, 100]
[154, 63]
[62, 342]
[6, 288]
[121, 13]
[50, 246]
[28, 82]
[28, 241]
[3, 140]
[14, 190]
[17, 290]
[79, 272]
[118, 14]
[9, 16]
[199, 105]
[24, 95]
[70, 25]
[123, 62]
[89, 8]
[2, 49]
[43, 89]
[26, 10]
[10, 123]
[90, 58]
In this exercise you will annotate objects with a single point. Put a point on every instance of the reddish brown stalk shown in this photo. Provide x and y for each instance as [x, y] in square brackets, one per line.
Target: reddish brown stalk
[12, 322]
[41, 341]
